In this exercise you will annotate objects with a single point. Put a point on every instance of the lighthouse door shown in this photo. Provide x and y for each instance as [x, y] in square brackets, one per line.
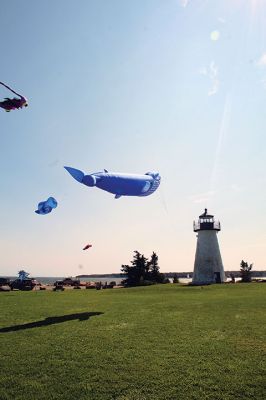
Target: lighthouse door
[217, 277]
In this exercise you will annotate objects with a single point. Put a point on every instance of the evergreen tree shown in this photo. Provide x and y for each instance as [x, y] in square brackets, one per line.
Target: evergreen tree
[137, 271]
[22, 275]
[154, 269]
[141, 271]
[245, 271]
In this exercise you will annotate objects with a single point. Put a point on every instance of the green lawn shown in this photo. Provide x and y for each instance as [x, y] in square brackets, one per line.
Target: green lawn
[161, 342]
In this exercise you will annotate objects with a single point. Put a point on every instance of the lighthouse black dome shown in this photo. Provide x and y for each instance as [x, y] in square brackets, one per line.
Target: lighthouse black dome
[206, 222]
[206, 215]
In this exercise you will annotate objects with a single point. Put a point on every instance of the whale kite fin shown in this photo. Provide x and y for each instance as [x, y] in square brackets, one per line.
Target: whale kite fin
[105, 170]
[117, 196]
[76, 173]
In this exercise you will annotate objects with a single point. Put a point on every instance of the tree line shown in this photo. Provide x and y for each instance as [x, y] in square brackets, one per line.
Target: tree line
[143, 271]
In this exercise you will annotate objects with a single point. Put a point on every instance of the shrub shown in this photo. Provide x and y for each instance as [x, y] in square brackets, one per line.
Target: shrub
[245, 271]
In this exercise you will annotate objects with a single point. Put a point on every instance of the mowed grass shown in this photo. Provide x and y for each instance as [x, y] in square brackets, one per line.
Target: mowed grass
[160, 342]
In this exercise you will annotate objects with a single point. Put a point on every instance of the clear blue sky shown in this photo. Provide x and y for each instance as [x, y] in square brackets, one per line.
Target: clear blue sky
[172, 86]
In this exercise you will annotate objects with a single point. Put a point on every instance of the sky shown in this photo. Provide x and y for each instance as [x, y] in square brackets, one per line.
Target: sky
[176, 86]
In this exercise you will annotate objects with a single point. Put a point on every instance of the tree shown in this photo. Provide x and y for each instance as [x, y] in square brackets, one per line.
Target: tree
[245, 271]
[137, 271]
[22, 275]
[154, 269]
[141, 271]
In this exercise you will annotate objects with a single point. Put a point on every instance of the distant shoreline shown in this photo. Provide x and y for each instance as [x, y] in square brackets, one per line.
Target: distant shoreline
[255, 274]
[119, 276]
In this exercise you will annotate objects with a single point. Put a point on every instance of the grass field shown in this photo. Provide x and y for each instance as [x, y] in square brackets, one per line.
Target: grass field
[161, 342]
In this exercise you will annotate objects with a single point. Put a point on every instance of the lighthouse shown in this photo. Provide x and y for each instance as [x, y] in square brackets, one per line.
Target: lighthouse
[208, 265]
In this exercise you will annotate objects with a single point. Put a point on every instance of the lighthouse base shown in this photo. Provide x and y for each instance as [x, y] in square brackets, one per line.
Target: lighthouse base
[208, 266]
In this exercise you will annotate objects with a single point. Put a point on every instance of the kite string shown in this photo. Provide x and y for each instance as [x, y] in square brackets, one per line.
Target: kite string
[9, 88]
[221, 138]
[162, 198]
[227, 110]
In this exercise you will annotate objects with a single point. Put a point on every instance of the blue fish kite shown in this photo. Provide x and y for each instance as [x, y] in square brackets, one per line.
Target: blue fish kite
[45, 207]
[119, 184]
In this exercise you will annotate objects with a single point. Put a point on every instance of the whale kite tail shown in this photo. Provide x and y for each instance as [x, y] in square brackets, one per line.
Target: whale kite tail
[88, 180]
[75, 173]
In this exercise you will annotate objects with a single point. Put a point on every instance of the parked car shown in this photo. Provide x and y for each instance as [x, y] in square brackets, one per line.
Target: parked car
[4, 282]
[71, 282]
[90, 286]
[24, 284]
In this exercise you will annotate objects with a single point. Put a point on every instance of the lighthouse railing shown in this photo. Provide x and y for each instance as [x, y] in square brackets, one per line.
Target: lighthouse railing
[199, 225]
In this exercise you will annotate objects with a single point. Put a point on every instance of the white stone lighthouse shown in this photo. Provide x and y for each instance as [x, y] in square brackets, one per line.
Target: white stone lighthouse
[208, 266]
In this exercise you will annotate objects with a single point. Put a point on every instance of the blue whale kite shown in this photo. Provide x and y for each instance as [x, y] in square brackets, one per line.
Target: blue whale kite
[45, 207]
[118, 183]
